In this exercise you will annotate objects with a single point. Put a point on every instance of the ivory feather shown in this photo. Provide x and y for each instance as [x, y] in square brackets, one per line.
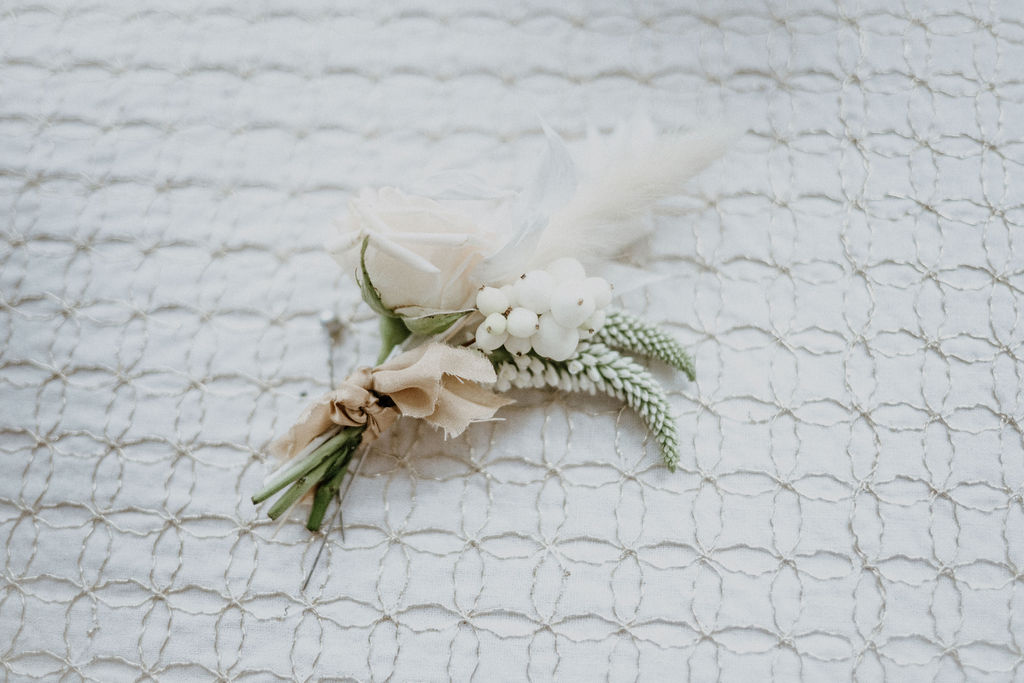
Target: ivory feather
[619, 184]
[552, 186]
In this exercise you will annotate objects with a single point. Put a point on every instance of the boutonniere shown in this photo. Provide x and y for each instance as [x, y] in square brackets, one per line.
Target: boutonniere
[481, 291]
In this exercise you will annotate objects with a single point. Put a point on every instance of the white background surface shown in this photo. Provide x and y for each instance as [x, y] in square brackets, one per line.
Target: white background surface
[849, 277]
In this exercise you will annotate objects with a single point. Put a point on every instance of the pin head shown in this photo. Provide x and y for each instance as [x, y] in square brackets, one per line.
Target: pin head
[331, 323]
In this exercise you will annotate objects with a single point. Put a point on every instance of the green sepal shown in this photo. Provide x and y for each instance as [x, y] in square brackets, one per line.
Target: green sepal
[393, 331]
[370, 294]
[435, 323]
[394, 327]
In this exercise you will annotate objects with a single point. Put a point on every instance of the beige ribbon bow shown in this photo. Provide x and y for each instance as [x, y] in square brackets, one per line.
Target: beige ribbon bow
[434, 382]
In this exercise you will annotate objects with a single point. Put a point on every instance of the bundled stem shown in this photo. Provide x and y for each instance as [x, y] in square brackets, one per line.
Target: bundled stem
[321, 471]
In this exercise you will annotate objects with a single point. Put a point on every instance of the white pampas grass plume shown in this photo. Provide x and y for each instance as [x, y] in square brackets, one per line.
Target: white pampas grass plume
[552, 186]
[620, 177]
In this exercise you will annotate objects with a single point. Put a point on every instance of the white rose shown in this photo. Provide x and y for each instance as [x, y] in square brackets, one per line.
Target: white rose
[420, 253]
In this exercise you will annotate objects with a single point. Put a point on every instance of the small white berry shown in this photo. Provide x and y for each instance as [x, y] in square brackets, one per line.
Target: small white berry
[571, 304]
[487, 341]
[491, 300]
[495, 323]
[522, 322]
[518, 346]
[533, 290]
[554, 341]
[566, 269]
[510, 297]
[599, 290]
[592, 324]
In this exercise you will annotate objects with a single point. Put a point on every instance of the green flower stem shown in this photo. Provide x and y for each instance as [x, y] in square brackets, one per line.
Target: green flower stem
[307, 464]
[307, 459]
[327, 488]
[300, 488]
[322, 468]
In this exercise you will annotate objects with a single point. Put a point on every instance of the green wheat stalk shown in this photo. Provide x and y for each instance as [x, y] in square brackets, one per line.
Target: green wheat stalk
[627, 332]
[597, 368]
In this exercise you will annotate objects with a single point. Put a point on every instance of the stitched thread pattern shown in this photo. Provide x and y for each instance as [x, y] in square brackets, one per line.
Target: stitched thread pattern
[849, 279]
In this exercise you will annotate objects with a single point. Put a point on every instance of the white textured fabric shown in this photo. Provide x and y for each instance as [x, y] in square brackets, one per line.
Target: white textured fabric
[849, 277]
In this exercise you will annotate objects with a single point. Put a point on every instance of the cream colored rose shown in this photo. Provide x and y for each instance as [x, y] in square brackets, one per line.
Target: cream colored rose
[420, 253]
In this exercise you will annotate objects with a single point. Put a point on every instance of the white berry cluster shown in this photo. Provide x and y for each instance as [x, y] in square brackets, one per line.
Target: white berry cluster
[548, 311]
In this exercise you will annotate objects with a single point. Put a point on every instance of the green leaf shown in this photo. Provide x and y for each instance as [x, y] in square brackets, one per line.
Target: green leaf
[392, 333]
[370, 294]
[435, 323]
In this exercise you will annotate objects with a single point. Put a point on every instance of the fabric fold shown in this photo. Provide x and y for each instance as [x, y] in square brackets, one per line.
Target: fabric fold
[433, 382]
